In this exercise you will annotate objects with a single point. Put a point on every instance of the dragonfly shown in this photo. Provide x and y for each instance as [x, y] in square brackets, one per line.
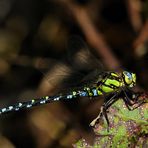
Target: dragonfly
[109, 84]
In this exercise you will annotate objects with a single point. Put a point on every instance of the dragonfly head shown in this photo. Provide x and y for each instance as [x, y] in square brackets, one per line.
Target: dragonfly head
[129, 78]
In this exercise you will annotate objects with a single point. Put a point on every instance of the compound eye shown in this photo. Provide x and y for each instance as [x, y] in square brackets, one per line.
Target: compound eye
[127, 77]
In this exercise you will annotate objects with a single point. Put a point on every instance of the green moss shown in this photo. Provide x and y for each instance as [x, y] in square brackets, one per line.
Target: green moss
[127, 127]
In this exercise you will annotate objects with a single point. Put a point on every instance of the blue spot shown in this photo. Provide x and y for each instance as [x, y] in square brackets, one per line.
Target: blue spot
[94, 92]
[83, 94]
[129, 75]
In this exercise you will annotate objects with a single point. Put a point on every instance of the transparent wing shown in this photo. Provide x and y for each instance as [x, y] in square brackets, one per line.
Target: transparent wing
[80, 68]
[81, 57]
[59, 77]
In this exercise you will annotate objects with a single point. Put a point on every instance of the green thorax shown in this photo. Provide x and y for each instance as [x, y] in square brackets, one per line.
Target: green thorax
[111, 83]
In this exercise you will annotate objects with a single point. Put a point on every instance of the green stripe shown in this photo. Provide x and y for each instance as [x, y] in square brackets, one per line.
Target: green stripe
[106, 89]
[111, 84]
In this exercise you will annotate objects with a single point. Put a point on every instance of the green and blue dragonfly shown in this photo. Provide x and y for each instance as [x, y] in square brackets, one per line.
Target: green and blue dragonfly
[109, 84]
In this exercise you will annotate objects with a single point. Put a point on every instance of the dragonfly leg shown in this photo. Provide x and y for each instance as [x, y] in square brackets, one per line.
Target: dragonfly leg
[106, 105]
[103, 111]
[127, 102]
[106, 117]
[130, 103]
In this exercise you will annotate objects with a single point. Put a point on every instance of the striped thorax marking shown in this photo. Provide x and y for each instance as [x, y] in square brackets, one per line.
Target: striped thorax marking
[111, 83]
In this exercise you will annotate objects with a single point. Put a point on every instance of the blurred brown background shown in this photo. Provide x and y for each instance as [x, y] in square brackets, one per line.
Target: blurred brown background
[33, 37]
